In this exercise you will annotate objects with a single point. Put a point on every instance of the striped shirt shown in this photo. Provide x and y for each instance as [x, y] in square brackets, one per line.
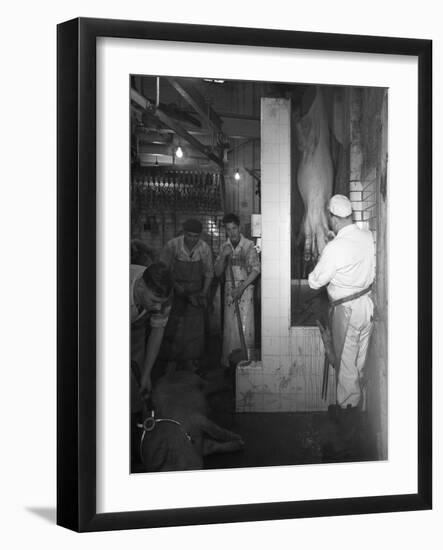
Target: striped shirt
[244, 256]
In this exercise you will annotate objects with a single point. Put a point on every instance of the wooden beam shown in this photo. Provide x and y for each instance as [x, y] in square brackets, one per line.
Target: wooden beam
[184, 164]
[179, 130]
[161, 151]
[150, 107]
[140, 100]
[236, 127]
[252, 173]
[155, 149]
[197, 102]
[151, 136]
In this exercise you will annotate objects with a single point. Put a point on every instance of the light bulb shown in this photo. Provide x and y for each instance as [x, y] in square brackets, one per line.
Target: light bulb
[179, 152]
[237, 175]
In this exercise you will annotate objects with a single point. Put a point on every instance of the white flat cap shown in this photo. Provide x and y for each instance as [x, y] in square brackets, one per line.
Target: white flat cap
[340, 206]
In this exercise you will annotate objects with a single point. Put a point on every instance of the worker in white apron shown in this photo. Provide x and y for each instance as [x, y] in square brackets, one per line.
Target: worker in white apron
[347, 267]
[239, 262]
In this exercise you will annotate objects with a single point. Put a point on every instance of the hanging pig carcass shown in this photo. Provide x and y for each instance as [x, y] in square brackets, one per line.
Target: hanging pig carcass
[315, 172]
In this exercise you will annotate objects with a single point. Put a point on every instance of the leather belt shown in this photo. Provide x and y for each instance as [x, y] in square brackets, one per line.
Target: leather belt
[354, 296]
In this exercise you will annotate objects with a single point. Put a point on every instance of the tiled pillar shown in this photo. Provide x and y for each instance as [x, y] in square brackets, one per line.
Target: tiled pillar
[276, 232]
[259, 387]
[289, 376]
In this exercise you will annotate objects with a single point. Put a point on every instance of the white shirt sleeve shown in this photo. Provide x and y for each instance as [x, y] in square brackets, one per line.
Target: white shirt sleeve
[325, 269]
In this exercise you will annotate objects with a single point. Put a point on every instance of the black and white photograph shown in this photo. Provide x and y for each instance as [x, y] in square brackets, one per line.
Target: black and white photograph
[221, 298]
[258, 273]
[244, 274]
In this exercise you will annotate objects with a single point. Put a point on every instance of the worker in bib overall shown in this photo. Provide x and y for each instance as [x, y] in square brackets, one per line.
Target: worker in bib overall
[150, 305]
[190, 261]
[238, 260]
[347, 267]
[150, 298]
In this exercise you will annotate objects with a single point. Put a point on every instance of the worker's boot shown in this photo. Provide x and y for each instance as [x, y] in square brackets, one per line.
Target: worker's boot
[349, 426]
[342, 443]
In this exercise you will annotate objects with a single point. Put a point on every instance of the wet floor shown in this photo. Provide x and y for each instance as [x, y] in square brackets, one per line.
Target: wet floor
[273, 439]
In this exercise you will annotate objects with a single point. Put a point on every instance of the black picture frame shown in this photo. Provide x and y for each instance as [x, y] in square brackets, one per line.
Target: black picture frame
[76, 294]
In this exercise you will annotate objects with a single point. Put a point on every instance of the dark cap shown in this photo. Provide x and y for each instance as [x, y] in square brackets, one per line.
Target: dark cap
[193, 226]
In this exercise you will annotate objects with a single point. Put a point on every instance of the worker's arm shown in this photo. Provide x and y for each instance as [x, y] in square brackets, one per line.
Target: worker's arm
[153, 344]
[208, 268]
[253, 269]
[158, 322]
[238, 291]
[220, 262]
[325, 269]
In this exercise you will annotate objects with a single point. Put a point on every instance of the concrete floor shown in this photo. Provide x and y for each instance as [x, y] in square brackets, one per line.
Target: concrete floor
[273, 439]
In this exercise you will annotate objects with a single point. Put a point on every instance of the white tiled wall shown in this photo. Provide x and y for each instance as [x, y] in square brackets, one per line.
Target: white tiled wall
[364, 203]
[289, 376]
[276, 235]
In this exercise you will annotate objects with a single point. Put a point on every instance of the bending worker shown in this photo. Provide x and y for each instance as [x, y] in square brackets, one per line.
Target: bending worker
[347, 266]
[190, 260]
[150, 303]
[239, 260]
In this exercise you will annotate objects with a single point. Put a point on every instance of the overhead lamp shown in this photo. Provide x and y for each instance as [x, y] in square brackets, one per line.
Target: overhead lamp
[237, 175]
[179, 152]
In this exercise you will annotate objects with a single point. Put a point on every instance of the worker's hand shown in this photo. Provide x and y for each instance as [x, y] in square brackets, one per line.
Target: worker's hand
[226, 250]
[330, 235]
[237, 292]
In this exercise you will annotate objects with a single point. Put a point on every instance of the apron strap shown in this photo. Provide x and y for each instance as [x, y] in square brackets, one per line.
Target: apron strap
[338, 322]
[354, 296]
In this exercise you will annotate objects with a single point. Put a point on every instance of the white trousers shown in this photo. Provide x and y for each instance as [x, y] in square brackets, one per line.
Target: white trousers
[354, 352]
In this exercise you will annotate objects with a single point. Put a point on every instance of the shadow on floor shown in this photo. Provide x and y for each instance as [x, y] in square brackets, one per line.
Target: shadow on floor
[48, 514]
